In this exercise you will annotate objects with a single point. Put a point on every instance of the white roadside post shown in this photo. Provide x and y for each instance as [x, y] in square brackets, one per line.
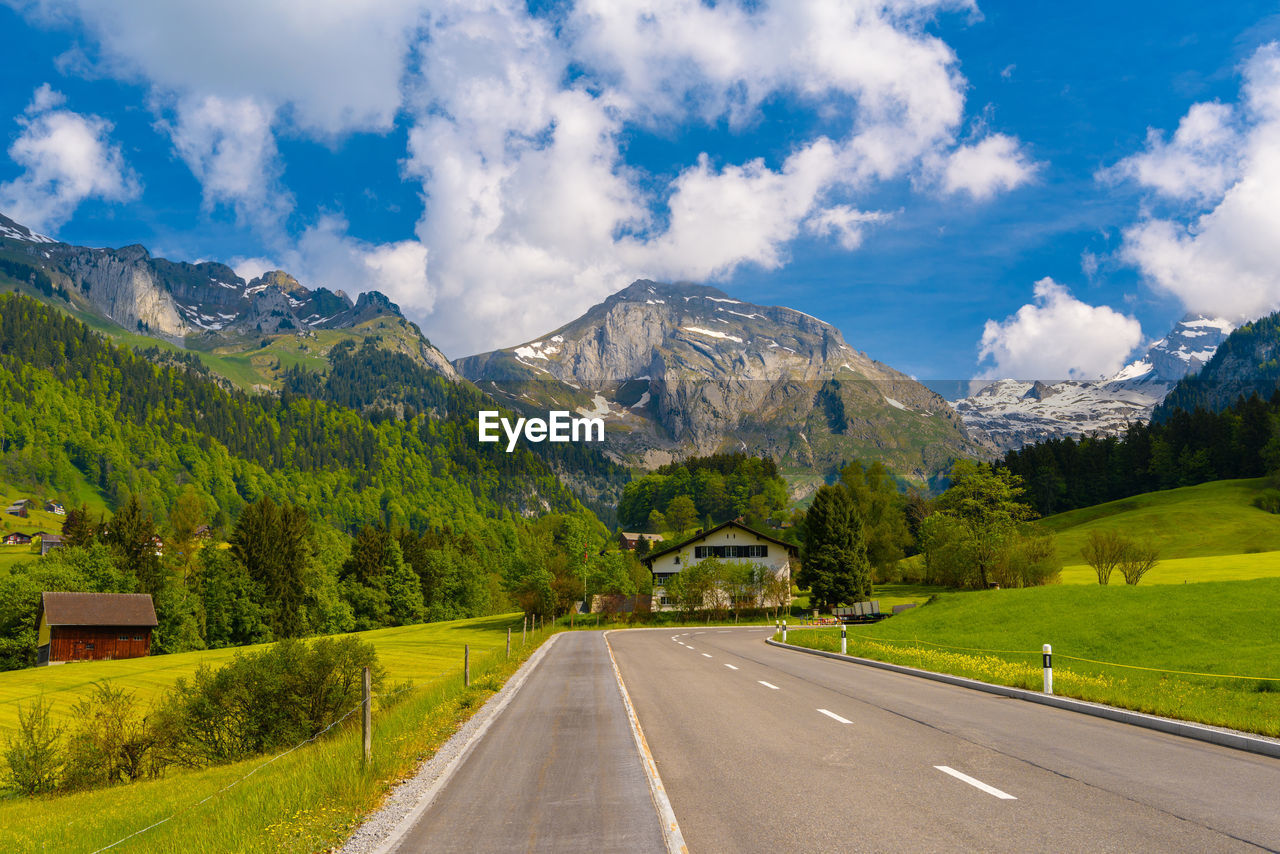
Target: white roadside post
[844, 641]
[1048, 668]
[784, 631]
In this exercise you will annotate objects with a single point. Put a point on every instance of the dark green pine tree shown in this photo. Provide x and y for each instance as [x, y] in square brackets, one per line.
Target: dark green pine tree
[132, 536]
[833, 556]
[273, 544]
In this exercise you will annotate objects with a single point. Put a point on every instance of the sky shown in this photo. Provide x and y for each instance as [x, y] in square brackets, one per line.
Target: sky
[964, 189]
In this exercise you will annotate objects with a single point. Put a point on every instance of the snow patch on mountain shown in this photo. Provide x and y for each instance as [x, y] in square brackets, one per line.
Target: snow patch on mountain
[1017, 412]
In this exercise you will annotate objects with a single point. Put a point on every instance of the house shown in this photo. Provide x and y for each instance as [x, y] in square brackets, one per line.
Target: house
[204, 532]
[19, 507]
[94, 626]
[17, 538]
[629, 540]
[49, 542]
[731, 541]
[55, 508]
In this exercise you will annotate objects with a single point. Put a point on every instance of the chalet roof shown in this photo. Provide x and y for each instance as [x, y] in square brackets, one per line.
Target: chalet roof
[650, 537]
[649, 559]
[98, 609]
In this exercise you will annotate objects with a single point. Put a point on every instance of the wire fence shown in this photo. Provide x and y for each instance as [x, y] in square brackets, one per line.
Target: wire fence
[255, 770]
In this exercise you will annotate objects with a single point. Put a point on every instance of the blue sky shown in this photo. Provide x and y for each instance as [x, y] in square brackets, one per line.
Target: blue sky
[1009, 188]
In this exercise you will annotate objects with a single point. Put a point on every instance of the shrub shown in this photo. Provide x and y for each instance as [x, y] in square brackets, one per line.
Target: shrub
[112, 742]
[262, 701]
[33, 754]
[1103, 552]
[1268, 500]
[1136, 560]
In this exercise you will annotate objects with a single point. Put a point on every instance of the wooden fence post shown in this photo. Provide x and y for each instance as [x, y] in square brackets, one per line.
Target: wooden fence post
[367, 716]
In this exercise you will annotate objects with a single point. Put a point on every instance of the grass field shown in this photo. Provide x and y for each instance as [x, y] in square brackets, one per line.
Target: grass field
[308, 800]
[1195, 521]
[1223, 629]
[421, 653]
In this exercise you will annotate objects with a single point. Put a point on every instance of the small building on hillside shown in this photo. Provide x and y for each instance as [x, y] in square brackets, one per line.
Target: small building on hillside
[94, 626]
[49, 542]
[55, 508]
[629, 540]
[17, 538]
[204, 532]
[729, 541]
[19, 508]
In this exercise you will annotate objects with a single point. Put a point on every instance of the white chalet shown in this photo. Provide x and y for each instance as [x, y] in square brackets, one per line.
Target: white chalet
[729, 541]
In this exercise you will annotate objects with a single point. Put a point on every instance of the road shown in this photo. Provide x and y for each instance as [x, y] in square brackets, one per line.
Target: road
[764, 749]
[558, 770]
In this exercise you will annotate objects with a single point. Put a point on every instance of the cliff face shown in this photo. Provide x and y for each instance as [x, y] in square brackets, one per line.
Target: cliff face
[1246, 363]
[206, 304]
[678, 370]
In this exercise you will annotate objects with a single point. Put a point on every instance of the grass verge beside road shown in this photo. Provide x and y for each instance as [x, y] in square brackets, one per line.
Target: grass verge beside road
[308, 800]
[1222, 629]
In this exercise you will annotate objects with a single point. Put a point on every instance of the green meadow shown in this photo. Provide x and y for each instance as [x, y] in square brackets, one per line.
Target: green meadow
[1221, 629]
[420, 653]
[308, 800]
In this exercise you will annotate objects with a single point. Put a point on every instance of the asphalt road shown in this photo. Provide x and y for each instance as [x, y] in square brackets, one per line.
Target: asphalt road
[558, 770]
[762, 749]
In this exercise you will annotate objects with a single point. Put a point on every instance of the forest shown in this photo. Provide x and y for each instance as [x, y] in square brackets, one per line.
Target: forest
[706, 491]
[1184, 449]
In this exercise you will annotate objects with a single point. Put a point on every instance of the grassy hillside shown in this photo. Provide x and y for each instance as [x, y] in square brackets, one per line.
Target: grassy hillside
[1195, 521]
[420, 653]
[1218, 628]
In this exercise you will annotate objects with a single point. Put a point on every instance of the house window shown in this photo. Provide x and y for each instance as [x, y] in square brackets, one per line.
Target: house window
[701, 552]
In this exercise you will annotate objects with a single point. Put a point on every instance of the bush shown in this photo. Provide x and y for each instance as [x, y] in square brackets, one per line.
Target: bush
[33, 754]
[1268, 500]
[112, 741]
[262, 701]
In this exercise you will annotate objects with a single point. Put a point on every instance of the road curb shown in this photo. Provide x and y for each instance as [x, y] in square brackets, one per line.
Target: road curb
[1199, 732]
[670, 827]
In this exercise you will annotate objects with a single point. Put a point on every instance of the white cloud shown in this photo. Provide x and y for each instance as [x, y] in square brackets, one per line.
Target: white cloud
[519, 128]
[996, 163]
[67, 158]
[846, 224]
[1058, 337]
[532, 213]
[253, 267]
[1221, 255]
[1198, 164]
[326, 256]
[229, 147]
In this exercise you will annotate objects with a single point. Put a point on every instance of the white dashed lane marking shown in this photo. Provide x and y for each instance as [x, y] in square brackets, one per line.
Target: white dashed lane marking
[834, 716]
[767, 685]
[977, 784]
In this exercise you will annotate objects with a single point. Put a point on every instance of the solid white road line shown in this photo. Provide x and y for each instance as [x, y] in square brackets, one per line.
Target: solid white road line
[767, 685]
[977, 784]
[705, 655]
[731, 667]
[835, 717]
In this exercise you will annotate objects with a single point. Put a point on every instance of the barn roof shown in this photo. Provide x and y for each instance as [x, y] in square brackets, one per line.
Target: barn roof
[98, 609]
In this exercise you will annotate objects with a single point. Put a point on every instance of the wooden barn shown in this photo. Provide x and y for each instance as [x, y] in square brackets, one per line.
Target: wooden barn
[94, 626]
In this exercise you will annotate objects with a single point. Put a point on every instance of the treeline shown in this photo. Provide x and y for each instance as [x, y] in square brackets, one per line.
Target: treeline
[77, 409]
[387, 385]
[279, 575]
[1185, 449]
[678, 496]
[33, 276]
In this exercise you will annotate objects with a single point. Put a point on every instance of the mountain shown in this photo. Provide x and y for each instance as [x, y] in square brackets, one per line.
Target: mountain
[679, 370]
[206, 308]
[1015, 413]
[1246, 363]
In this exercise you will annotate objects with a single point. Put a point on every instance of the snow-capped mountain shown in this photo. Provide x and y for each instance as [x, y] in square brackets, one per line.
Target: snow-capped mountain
[1016, 412]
